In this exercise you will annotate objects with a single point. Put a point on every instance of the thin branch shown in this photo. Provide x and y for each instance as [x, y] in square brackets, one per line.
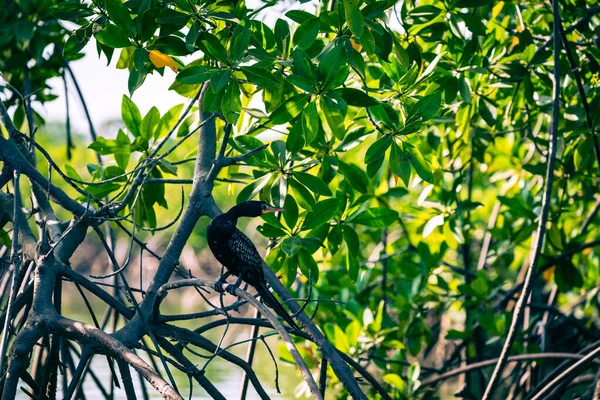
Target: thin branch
[16, 263]
[482, 364]
[541, 229]
[264, 311]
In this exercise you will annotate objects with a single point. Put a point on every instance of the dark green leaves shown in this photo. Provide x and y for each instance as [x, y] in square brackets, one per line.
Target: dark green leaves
[196, 74]
[321, 213]
[358, 98]
[306, 33]
[378, 149]
[355, 176]
[314, 183]
[120, 15]
[260, 76]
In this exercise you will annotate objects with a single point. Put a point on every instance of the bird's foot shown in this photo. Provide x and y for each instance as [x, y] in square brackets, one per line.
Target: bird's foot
[231, 289]
[219, 286]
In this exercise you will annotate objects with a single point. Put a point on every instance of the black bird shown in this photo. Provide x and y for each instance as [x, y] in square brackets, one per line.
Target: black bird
[237, 253]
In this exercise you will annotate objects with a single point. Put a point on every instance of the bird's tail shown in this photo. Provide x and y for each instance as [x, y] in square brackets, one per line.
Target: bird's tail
[271, 301]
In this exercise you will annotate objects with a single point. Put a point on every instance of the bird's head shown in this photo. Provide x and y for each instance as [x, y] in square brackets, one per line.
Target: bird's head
[254, 209]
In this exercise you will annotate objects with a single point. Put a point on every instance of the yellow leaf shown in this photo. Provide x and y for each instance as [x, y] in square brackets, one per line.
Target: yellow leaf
[514, 42]
[548, 274]
[355, 45]
[162, 60]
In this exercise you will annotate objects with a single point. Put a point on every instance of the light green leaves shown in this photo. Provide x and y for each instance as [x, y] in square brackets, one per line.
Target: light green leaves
[377, 217]
[113, 36]
[131, 116]
[310, 122]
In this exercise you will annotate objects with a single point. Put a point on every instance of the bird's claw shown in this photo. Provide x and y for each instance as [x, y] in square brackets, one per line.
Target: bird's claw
[231, 289]
[219, 286]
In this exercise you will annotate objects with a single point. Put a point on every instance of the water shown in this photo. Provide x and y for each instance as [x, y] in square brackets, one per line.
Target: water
[226, 377]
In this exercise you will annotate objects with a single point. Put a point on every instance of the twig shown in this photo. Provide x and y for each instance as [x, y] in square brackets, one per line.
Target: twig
[264, 311]
[16, 263]
[566, 374]
[482, 364]
[541, 230]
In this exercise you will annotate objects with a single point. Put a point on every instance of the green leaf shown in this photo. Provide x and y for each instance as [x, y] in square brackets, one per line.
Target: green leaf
[395, 380]
[270, 231]
[306, 33]
[120, 15]
[302, 194]
[212, 46]
[355, 176]
[400, 164]
[289, 109]
[488, 111]
[131, 116]
[429, 106]
[291, 245]
[351, 240]
[72, 172]
[314, 183]
[422, 167]
[253, 188]
[240, 40]
[377, 217]
[112, 36]
[123, 150]
[136, 79]
[168, 121]
[310, 122]
[307, 263]
[220, 80]
[354, 17]
[330, 66]
[321, 213]
[357, 98]
[290, 215]
[334, 239]
[168, 16]
[295, 140]
[353, 266]
[149, 123]
[196, 74]
[464, 88]
[334, 117]
[102, 190]
[259, 76]
[377, 150]
[231, 104]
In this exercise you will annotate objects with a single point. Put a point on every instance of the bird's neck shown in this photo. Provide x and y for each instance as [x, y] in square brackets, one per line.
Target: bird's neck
[234, 213]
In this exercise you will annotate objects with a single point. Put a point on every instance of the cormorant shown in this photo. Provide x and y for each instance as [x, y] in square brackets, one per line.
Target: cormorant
[237, 253]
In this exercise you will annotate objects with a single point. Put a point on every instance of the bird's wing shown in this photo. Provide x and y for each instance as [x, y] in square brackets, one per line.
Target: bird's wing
[242, 246]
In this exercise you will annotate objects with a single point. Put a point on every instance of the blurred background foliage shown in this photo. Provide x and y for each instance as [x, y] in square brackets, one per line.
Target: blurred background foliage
[407, 141]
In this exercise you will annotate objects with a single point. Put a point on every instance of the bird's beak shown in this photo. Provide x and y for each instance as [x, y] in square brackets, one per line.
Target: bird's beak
[271, 209]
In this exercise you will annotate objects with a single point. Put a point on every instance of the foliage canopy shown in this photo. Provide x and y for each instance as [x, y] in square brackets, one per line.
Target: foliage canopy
[411, 144]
